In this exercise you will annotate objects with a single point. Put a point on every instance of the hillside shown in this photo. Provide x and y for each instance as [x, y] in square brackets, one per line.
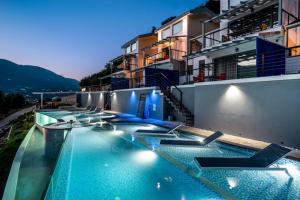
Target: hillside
[26, 79]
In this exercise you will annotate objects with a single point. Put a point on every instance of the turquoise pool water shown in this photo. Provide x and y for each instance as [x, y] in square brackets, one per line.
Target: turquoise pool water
[114, 164]
[106, 165]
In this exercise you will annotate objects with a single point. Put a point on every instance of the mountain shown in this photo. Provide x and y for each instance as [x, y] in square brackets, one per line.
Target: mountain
[27, 79]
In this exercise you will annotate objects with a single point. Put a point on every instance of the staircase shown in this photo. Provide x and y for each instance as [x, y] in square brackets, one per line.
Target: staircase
[141, 106]
[165, 85]
[181, 110]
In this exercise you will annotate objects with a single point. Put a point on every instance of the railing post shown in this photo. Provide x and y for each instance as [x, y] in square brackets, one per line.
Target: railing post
[280, 13]
[203, 35]
[180, 100]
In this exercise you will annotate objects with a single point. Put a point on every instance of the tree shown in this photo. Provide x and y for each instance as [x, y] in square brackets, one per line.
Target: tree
[14, 101]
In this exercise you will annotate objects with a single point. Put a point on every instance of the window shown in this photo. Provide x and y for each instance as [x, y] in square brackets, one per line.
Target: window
[166, 33]
[177, 28]
[133, 47]
[291, 13]
[294, 41]
[128, 49]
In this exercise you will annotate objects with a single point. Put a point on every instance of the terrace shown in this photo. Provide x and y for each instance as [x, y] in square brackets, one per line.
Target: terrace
[240, 21]
[168, 50]
[107, 143]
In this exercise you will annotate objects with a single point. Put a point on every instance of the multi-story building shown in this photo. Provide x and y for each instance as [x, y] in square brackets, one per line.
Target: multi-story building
[129, 63]
[172, 44]
[250, 41]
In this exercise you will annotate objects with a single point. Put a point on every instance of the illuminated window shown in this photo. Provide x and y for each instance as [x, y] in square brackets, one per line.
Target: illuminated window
[166, 33]
[177, 28]
[294, 41]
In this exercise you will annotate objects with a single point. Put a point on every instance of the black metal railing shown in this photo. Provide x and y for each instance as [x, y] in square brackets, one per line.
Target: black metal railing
[241, 66]
[287, 17]
[164, 55]
[168, 84]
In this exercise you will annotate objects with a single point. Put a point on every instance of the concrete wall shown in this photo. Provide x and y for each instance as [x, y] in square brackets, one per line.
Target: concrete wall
[127, 101]
[292, 65]
[92, 98]
[188, 96]
[266, 109]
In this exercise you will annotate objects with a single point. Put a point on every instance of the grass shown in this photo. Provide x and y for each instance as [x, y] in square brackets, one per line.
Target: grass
[9, 147]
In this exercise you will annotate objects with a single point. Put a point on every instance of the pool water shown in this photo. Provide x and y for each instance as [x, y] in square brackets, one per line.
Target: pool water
[117, 164]
[105, 165]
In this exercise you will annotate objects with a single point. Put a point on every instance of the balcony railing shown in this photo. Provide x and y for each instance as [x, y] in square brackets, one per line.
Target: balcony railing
[294, 51]
[164, 56]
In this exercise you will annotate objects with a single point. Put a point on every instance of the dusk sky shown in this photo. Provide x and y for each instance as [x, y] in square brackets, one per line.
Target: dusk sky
[76, 38]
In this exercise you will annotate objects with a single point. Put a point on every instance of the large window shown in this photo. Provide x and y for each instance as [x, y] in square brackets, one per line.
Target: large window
[241, 65]
[166, 33]
[177, 28]
[128, 49]
[294, 41]
[133, 47]
[290, 11]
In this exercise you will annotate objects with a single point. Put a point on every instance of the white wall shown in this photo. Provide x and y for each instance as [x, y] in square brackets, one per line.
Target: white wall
[127, 101]
[266, 109]
[92, 98]
[188, 96]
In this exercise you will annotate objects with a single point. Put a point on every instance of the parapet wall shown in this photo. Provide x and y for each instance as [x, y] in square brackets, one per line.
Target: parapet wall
[266, 109]
[127, 101]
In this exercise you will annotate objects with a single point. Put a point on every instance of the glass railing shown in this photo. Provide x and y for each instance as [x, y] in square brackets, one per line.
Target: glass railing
[42, 119]
[35, 160]
[12, 181]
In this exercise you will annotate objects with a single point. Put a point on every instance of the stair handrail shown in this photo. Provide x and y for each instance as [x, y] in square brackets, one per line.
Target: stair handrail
[171, 84]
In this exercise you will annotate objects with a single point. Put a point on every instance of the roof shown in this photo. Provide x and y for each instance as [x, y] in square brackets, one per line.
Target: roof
[136, 38]
[242, 8]
[116, 58]
[198, 9]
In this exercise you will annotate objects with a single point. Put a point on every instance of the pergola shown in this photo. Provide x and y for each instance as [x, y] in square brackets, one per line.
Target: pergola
[42, 94]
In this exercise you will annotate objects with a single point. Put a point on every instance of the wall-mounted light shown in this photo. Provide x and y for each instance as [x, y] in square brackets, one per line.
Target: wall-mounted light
[233, 92]
[113, 94]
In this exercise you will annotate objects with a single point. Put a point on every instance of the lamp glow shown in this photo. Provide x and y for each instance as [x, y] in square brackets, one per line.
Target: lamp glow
[232, 182]
[233, 92]
[145, 157]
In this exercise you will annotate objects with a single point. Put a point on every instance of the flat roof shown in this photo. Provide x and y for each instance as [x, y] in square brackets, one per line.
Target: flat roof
[136, 38]
[198, 9]
[242, 8]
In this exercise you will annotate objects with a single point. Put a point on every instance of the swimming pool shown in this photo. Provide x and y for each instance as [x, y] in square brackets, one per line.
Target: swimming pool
[106, 165]
[110, 162]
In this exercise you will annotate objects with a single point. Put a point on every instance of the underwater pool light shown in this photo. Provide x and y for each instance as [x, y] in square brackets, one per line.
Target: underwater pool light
[145, 157]
[232, 182]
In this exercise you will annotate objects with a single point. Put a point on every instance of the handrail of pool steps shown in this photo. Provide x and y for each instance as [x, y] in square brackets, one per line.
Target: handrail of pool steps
[157, 133]
[262, 160]
[193, 143]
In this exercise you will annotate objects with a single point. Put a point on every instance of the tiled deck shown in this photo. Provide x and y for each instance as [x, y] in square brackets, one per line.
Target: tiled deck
[226, 138]
[238, 141]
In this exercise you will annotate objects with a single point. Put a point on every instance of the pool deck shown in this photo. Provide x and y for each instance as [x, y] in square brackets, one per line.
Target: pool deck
[226, 138]
[237, 141]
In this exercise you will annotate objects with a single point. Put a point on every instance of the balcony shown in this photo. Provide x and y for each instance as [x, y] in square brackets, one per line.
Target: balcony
[166, 55]
[239, 28]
